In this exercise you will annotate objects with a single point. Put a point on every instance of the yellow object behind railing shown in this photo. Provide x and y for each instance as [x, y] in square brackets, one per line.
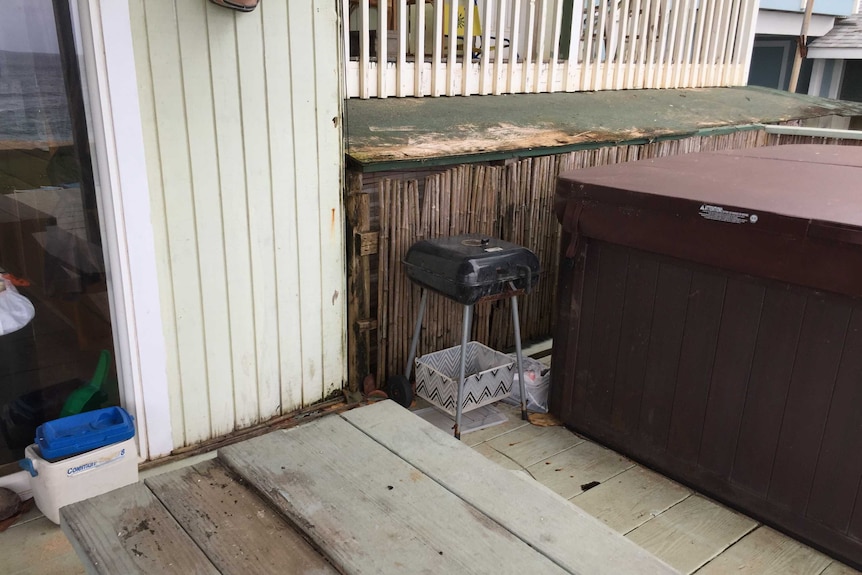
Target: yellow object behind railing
[460, 31]
[462, 20]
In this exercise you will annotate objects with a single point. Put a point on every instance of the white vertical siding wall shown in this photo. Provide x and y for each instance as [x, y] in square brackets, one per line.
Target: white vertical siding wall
[242, 142]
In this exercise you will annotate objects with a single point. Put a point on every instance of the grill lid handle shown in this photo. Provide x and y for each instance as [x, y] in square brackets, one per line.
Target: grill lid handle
[529, 276]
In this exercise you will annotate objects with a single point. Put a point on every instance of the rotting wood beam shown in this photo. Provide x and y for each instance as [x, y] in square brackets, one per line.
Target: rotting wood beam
[363, 244]
[309, 413]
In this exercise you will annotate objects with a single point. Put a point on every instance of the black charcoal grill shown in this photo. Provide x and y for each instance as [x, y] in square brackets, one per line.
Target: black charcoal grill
[467, 269]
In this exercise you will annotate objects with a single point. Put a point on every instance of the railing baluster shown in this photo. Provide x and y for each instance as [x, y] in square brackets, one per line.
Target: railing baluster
[706, 60]
[669, 53]
[513, 51]
[437, 49]
[622, 37]
[485, 56]
[382, 48]
[654, 40]
[632, 31]
[555, 46]
[570, 71]
[611, 43]
[451, 46]
[364, 48]
[682, 38]
[540, 53]
[601, 51]
[661, 56]
[467, 60]
[528, 47]
[727, 59]
[499, 44]
[718, 40]
[745, 42]
[587, 64]
[401, 59]
[419, 50]
[643, 43]
[697, 53]
[345, 42]
[688, 45]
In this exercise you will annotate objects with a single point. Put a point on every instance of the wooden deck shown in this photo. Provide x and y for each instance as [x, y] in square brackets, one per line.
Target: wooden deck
[374, 490]
[688, 531]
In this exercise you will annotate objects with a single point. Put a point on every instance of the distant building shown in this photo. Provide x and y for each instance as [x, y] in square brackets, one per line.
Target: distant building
[837, 58]
[779, 23]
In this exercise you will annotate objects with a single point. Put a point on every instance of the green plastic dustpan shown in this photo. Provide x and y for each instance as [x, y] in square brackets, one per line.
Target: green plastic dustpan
[78, 399]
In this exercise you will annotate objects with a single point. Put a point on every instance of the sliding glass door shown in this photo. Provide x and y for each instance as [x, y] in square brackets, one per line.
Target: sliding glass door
[56, 355]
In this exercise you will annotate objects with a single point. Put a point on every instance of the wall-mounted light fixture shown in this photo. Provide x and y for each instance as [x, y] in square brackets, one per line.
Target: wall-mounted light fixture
[241, 5]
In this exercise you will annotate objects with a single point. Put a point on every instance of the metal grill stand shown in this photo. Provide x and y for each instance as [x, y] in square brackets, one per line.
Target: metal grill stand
[465, 335]
[467, 269]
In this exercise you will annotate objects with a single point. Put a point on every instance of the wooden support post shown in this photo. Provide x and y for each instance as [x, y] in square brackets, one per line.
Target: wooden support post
[361, 243]
[801, 47]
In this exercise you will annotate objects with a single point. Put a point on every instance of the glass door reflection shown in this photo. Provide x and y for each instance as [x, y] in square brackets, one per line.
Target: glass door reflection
[60, 361]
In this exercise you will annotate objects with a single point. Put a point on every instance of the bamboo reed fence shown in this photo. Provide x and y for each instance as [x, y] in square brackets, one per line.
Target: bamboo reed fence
[784, 139]
[512, 201]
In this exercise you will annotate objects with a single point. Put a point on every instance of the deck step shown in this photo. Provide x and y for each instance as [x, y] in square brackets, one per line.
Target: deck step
[547, 522]
[129, 531]
[200, 519]
[370, 510]
[374, 491]
[232, 524]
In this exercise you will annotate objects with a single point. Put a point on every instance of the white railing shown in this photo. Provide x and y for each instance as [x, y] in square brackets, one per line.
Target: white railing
[529, 46]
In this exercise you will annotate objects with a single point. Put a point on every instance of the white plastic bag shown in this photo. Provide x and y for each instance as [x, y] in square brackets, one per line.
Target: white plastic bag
[537, 383]
[16, 311]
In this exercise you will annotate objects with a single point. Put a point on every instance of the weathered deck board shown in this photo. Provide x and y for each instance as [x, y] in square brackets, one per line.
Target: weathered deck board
[538, 516]
[631, 498]
[836, 568]
[129, 532]
[476, 437]
[526, 448]
[237, 530]
[767, 552]
[692, 532]
[493, 455]
[370, 510]
[565, 473]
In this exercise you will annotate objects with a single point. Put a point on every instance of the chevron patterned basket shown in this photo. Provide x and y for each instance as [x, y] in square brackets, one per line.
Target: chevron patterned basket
[489, 377]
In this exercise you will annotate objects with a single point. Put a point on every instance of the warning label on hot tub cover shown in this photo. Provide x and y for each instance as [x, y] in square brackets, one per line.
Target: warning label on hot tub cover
[720, 214]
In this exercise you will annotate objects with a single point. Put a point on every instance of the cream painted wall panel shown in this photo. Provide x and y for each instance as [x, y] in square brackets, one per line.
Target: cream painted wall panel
[149, 126]
[230, 164]
[166, 68]
[256, 125]
[283, 174]
[197, 90]
[334, 309]
[299, 19]
[243, 145]
[160, 232]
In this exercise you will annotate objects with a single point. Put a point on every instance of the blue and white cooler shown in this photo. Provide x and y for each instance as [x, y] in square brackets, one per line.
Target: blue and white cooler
[81, 456]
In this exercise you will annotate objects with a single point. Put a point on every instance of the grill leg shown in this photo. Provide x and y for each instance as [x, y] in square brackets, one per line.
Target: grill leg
[465, 335]
[522, 384]
[416, 331]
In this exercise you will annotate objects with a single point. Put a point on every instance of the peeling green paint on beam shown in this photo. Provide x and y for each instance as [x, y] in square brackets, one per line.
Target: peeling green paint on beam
[410, 133]
[436, 162]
